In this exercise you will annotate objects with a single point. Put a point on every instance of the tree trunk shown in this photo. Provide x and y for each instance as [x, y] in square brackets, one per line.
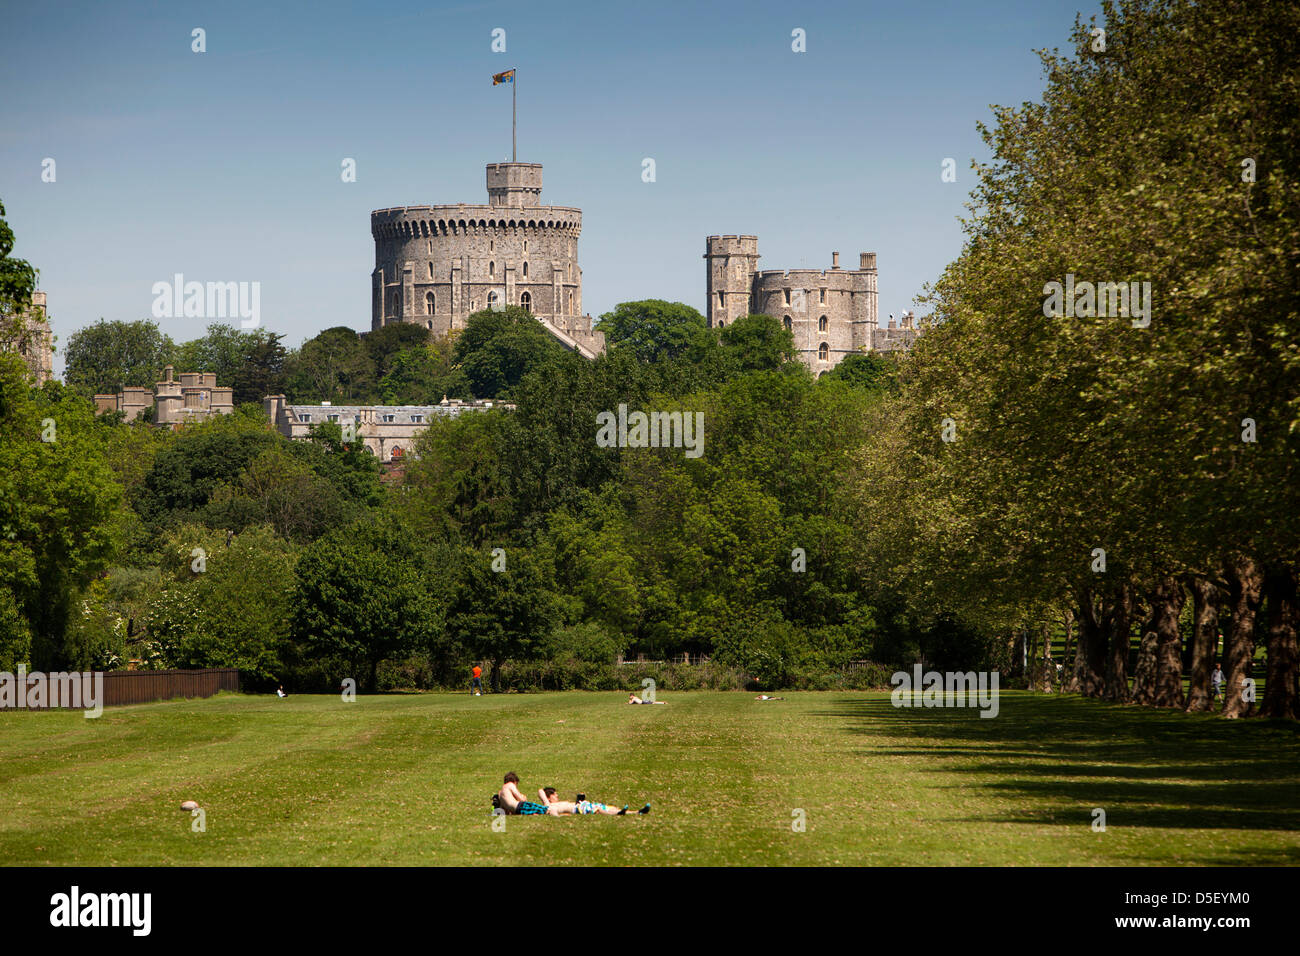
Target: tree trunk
[1205, 640]
[1049, 671]
[1167, 600]
[1144, 671]
[496, 676]
[1281, 694]
[1118, 627]
[1090, 654]
[1245, 582]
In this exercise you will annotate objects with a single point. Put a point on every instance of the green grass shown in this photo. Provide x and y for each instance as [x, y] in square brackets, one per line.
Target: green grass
[407, 780]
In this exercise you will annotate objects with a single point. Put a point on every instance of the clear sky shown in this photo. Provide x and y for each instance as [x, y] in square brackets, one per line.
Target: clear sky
[225, 165]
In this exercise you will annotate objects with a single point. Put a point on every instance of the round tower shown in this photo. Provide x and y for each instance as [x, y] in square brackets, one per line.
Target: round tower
[437, 265]
[731, 262]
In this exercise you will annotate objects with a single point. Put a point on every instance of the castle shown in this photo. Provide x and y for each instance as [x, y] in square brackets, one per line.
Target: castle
[436, 265]
[194, 398]
[830, 312]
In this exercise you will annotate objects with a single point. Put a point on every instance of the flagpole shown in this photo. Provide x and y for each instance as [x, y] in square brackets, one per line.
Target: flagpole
[514, 151]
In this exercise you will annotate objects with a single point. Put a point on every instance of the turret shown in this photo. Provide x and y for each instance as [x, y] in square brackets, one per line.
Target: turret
[731, 262]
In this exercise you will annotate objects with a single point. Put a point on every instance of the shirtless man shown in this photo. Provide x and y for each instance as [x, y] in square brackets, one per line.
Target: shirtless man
[511, 800]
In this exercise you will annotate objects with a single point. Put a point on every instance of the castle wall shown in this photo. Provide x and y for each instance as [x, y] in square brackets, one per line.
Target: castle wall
[831, 312]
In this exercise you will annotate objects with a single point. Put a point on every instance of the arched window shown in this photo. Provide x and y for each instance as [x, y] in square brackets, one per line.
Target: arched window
[492, 299]
[823, 351]
[492, 268]
[788, 324]
[430, 269]
[525, 268]
[430, 324]
[526, 302]
[821, 324]
[428, 303]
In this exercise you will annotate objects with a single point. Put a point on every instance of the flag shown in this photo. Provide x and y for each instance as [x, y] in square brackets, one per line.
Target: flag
[507, 77]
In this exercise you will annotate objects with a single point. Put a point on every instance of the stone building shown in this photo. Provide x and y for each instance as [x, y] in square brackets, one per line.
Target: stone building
[831, 312]
[35, 341]
[194, 397]
[388, 431]
[436, 265]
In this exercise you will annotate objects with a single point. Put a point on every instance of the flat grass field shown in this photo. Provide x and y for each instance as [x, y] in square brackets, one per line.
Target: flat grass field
[407, 780]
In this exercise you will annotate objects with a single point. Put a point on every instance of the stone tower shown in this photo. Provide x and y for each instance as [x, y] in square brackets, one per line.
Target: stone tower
[732, 263]
[436, 265]
[830, 313]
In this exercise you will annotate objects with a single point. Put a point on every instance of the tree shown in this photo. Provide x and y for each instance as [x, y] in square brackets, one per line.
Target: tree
[61, 511]
[225, 601]
[653, 330]
[361, 596]
[17, 282]
[500, 615]
[203, 457]
[496, 350]
[109, 356]
[334, 366]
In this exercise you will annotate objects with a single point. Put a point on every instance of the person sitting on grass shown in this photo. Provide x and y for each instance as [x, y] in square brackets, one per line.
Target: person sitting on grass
[511, 800]
[581, 806]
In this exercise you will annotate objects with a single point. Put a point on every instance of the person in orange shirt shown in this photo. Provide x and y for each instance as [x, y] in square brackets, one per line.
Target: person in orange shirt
[476, 685]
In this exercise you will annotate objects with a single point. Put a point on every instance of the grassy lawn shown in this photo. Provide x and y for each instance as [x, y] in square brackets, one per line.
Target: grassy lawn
[407, 780]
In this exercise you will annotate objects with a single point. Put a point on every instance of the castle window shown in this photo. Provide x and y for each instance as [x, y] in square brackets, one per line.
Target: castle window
[332, 418]
[492, 299]
[570, 303]
[821, 324]
[525, 265]
[388, 418]
[417, 419]
[492, 268]
[822, 300]
[431, 253]
[722, 300]
[788, 324]
[428, 303]
[492, 246]
[430, 270]
[823, 352]
[787, 296]
[526, 302]
[525, 248]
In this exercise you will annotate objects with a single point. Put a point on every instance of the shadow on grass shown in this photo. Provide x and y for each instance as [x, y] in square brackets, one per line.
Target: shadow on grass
[1066, 755]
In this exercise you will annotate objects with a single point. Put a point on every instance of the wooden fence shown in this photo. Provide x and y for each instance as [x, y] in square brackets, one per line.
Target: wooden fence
[141, 687]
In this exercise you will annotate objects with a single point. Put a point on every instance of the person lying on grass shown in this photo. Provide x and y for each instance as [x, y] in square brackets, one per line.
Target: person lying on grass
[634, 699]
[581, 806]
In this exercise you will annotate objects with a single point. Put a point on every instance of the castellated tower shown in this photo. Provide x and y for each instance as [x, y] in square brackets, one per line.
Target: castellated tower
[436, 265]
[830, 312]
[732, 262]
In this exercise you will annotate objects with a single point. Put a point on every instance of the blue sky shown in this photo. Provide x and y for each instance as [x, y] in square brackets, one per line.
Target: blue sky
[225, 165]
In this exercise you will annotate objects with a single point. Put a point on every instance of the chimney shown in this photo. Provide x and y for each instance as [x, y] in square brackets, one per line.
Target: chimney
[866, 260]
[835, 260]
[167, 370]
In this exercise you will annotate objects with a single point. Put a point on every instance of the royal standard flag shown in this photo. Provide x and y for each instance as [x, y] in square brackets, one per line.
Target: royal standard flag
[507, 77]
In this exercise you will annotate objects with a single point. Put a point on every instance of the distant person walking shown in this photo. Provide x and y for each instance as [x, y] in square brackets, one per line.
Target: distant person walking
[476, 682]
[1216, 681]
